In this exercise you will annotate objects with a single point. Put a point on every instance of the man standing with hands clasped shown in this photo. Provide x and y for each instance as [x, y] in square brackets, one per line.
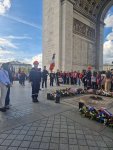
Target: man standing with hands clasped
[35, 79]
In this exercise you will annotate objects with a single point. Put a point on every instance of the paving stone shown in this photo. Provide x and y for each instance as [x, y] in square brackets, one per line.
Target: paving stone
[25, 144]
[33, 128]
[101, 144]
[63, 130]
[109, 143]
[89, 137]
[44, 145]
[11, 137]
[82, 142]
[37, 138]
[79, 132]
[98, 138]
[1, 140]
[54, 146]
[72, 136]
[39, 133]
[63, 147]
[3, 147]
[71, 127]
[34, 145]
[7, 142]
[46, 139]
[104, 148]
[16, 143]
[71, 131]
[65, 135]
[21, 148]
[54, 140]
[19, 137]
[94, 148]
[91, 143]
[72, 141]
[55, 134]
[23, 132]
[48, 129]
[31, 132]
[83, 148]
[80, 136]
[3, 136]
[73, 147]
[64, 140]
[28, 138]
[12, 148]
[47, 134]
[16, 132]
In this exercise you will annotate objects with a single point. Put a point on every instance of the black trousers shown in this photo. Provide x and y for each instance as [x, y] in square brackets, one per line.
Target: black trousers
[44, 81]
[94, 85]
[51, 82]
[35, 90]
[7, 99]
[67, 80]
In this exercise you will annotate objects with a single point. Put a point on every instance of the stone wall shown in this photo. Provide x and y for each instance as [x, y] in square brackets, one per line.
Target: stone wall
[51, 31]
[83, 46]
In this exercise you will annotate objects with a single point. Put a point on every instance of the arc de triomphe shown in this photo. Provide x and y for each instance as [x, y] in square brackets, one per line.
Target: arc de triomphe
[73, 30]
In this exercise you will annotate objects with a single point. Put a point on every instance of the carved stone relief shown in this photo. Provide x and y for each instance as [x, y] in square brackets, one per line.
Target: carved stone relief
[84, 30]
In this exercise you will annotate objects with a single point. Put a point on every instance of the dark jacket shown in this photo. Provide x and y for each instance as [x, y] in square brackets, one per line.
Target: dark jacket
[35, 75]
[44, 74]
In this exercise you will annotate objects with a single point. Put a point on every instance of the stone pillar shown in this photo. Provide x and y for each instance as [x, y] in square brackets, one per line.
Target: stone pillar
[99, 46]
[67, 35]
[51, 32]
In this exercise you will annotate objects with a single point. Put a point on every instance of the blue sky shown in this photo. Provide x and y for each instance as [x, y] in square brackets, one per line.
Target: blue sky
[21, 31]
[21, 26]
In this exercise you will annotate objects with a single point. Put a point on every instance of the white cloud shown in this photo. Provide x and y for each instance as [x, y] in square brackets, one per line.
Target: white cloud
[108, 44]
[4, 6]
[5, 52]
[17, 37]
[4, 43]
[34, 58]
[23, 21]
[110, 36]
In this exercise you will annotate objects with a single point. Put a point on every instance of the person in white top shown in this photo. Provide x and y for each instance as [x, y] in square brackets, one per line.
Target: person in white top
[4, 83]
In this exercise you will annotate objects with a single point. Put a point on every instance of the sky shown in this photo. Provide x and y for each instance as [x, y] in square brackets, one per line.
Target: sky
[108, 37]
[21, 31]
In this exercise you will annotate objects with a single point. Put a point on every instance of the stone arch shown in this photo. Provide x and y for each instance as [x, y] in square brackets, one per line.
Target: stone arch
[73, 29]
[100, 32]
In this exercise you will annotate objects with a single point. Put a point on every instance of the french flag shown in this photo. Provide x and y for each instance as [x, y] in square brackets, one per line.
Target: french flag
[52, 65]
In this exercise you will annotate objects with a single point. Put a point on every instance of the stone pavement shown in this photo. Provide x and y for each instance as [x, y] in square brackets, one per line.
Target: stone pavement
[49, 126]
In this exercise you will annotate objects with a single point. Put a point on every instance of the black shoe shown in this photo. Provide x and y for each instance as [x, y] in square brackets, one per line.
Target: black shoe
[35, 101]
[3, 109]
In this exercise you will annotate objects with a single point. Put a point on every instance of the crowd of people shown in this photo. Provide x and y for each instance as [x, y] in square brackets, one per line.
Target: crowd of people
[87, 78]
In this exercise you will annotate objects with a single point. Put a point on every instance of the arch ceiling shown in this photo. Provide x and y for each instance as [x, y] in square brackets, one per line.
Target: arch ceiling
[90, 8]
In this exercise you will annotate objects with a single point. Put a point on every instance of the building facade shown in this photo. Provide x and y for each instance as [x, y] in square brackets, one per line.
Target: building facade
[73, 30]
[20, 66]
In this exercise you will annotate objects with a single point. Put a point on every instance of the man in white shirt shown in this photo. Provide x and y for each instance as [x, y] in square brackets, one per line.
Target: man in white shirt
[4, 83]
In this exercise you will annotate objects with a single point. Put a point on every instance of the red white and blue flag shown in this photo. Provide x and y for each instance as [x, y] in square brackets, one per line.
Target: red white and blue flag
[52, 64]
